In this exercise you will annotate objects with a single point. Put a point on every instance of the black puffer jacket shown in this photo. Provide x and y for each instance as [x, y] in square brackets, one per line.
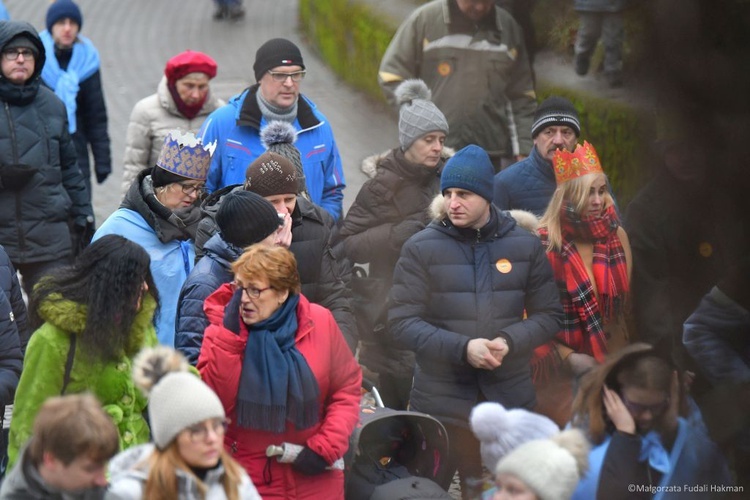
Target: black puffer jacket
[399, 191]
[34, 140]
[12, 288]
[12, 323]
[325, 275]
[453, 285]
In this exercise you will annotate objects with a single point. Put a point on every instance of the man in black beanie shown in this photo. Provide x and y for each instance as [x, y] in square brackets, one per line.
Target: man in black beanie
[244, 218]
[279, 70]
[529, 183]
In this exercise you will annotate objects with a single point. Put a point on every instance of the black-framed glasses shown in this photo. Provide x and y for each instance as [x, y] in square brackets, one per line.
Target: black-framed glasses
[199, 432]
[280, 77]
[639, 409]
[12, 54]
[251, 291]
[200, 189]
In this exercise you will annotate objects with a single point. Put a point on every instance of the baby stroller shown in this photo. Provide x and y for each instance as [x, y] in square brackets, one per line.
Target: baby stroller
[395, 455]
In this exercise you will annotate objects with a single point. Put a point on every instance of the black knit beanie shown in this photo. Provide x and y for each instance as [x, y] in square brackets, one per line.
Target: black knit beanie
[245, 218]
[276, 52]
[161, 177]
[556, 110]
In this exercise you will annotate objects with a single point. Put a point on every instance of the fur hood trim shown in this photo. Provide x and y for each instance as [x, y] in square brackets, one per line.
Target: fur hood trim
[526, 220]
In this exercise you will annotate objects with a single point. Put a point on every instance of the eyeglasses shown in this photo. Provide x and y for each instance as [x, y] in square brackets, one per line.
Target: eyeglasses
[200, 189]
[12, 54]
[251, 292]
[280, 77]
[639, 409]
[199, 432]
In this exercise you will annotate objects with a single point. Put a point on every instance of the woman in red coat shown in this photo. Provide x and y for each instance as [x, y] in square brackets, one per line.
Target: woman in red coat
[284, 374]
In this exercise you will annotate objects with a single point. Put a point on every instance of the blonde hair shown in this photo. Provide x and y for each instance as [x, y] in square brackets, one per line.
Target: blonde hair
[576, 191]
[161, 483]
[275, 264]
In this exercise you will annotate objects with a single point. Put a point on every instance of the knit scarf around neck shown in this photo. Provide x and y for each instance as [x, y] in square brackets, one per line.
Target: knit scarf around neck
[276, 383]
[271, 112]
[585, 312]
[189, 111]
[83, 63]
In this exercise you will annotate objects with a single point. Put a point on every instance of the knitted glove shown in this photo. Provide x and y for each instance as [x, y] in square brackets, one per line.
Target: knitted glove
[403, 231]
[309, 463]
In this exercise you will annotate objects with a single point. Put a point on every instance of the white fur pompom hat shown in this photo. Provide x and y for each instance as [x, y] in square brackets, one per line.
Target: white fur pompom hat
[500, 431]
[550, 467]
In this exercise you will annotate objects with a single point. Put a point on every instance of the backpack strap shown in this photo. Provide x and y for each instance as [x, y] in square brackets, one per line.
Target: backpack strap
[69, 362]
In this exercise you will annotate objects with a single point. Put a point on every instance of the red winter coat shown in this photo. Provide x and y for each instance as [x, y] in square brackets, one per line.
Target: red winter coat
[339, 377]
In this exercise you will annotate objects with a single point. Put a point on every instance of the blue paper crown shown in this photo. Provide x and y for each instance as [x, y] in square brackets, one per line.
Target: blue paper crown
[185, 155]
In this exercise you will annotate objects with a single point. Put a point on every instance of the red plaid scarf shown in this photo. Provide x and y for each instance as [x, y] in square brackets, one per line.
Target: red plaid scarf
[585, 315]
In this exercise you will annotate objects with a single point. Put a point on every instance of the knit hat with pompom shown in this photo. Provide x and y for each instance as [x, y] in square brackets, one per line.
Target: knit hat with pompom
[417, 115]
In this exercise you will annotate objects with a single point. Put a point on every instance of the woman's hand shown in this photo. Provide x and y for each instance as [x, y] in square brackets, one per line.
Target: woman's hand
[617, 412]
[669, 421]
[284, 233]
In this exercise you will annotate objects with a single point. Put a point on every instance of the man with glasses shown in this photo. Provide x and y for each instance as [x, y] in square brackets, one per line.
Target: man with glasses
[279, 71]
[46, 210]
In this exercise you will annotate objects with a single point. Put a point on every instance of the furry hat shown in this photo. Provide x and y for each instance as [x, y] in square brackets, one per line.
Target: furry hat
[550, 467]
[177, 398]
[500, 431]
[417, 115]
[279, 137]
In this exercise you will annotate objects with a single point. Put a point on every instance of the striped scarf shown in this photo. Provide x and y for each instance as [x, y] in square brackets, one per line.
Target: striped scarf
[585, 314]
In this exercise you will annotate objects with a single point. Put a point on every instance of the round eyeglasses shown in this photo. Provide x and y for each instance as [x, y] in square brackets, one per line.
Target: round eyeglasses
[280, 77]
[199, 432]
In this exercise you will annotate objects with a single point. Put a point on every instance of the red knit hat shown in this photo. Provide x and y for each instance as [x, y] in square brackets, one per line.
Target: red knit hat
[188, 62]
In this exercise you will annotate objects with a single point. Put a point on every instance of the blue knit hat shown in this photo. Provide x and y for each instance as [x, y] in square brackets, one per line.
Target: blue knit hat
[62, 9]
[469, 169]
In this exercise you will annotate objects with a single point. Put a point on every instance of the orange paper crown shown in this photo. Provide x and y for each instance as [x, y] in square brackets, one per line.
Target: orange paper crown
[582, 161]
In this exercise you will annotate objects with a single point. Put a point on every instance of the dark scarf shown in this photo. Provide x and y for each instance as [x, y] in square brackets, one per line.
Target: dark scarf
[276, 383]
[189, 111]
[585, 313]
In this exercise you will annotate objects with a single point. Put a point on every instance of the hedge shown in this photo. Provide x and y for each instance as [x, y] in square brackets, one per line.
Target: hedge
[351, 36]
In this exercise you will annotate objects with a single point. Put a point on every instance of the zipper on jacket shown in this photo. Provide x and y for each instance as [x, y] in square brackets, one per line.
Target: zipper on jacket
[14, 147]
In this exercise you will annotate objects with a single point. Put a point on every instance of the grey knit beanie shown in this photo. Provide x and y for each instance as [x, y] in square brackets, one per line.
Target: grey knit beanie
[177, 398]
[417, 115]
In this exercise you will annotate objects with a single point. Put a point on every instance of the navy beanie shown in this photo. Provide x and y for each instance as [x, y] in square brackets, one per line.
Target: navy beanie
[61, 9]
[469, 169]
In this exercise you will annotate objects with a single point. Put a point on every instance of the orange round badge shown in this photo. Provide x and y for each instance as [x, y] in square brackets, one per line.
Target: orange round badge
[444, 69]
[504, 266]
[705, 249]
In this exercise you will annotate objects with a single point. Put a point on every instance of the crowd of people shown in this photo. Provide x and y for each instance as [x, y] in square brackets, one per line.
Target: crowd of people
[483, 276]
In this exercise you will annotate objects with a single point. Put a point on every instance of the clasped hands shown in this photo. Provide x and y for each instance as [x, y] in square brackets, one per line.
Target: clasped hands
[486, 354]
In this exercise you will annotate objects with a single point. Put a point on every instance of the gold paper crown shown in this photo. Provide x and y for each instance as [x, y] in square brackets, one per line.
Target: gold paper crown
[183, 154]
[582, 161]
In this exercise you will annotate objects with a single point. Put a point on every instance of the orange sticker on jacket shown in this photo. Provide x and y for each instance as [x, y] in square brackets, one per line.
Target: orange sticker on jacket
[504, 266]
[444, 69]
[705, 249]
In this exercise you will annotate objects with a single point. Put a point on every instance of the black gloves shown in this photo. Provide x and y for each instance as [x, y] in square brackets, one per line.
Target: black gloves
[403, 231]
[81, 234]
[15, 176]
[101, 176]
[309, 463]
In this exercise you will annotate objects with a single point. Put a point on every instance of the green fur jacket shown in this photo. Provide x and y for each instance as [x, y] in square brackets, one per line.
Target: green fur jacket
[111, 382]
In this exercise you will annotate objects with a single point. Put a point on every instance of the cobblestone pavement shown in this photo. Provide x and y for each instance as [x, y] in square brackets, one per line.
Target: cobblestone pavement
[136, 37]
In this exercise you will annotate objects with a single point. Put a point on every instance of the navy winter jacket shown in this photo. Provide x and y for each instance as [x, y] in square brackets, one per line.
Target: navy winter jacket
[525, 185]
[10, 285]
[212, 271]
[451, 286]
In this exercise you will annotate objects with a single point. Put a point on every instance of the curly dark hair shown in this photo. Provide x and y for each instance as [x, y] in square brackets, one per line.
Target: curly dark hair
[107, 277]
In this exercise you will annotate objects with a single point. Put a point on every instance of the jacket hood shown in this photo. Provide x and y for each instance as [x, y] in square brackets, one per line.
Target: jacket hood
[369, 165]
[221, 251]
[11, 29]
